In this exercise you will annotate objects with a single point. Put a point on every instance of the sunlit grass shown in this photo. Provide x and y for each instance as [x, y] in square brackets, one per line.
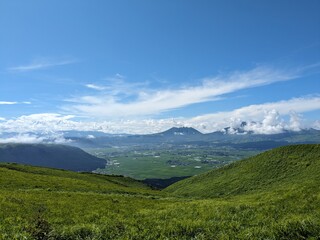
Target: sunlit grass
[40, 203]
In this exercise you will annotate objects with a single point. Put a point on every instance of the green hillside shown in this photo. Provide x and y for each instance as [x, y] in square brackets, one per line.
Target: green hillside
[290, 167]
[50, 155]
[280, 202]
[24, 177]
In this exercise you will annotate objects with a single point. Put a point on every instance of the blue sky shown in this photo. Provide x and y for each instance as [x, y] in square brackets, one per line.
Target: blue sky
[125, 62]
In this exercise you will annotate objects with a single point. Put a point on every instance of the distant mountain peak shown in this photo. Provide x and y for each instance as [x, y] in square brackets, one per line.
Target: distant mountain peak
[180, 131]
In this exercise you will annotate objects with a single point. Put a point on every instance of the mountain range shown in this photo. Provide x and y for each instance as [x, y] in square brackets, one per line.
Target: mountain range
[239, 135]
[187, 135]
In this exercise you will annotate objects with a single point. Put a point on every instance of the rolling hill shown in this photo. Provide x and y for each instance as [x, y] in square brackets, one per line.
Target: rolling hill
[274, 195]
[25, 177]
[296, 166]
[50, 155]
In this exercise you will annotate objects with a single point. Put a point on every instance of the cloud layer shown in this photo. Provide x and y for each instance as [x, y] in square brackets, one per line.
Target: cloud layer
[120, 101]
[115, 100]
[34, 138]
[268, 118]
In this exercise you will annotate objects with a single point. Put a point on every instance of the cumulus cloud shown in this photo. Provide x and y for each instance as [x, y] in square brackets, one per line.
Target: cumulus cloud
[271, 123]
[265, 121]
[259, 112]
[295, 121]
[265, 118]
[114, 102]
[316, 125]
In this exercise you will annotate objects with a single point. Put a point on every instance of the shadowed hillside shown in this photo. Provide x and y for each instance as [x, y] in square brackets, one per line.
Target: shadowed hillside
[50, 155]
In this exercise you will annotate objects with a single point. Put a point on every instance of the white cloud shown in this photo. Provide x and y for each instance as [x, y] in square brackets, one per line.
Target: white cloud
[267, 116]
[33, 138]
[316, 125]
[12, 103]
[95, 87]
[256, 112]
[272, 123]
[44, 123]
[7, 103]
[22, 138]
[91, 137]
[295, 121]
[41, 64]
[147, 102]
[117, 86]
[264, 118]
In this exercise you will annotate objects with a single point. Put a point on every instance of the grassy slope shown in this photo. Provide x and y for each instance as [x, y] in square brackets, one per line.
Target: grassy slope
[277, 170]
[36, 203]
[24, 177]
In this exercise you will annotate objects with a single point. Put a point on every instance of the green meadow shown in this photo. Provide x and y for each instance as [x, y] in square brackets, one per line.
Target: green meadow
[274, 195]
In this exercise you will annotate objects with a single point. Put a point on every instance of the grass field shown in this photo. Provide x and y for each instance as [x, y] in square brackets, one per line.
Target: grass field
[40, 203]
